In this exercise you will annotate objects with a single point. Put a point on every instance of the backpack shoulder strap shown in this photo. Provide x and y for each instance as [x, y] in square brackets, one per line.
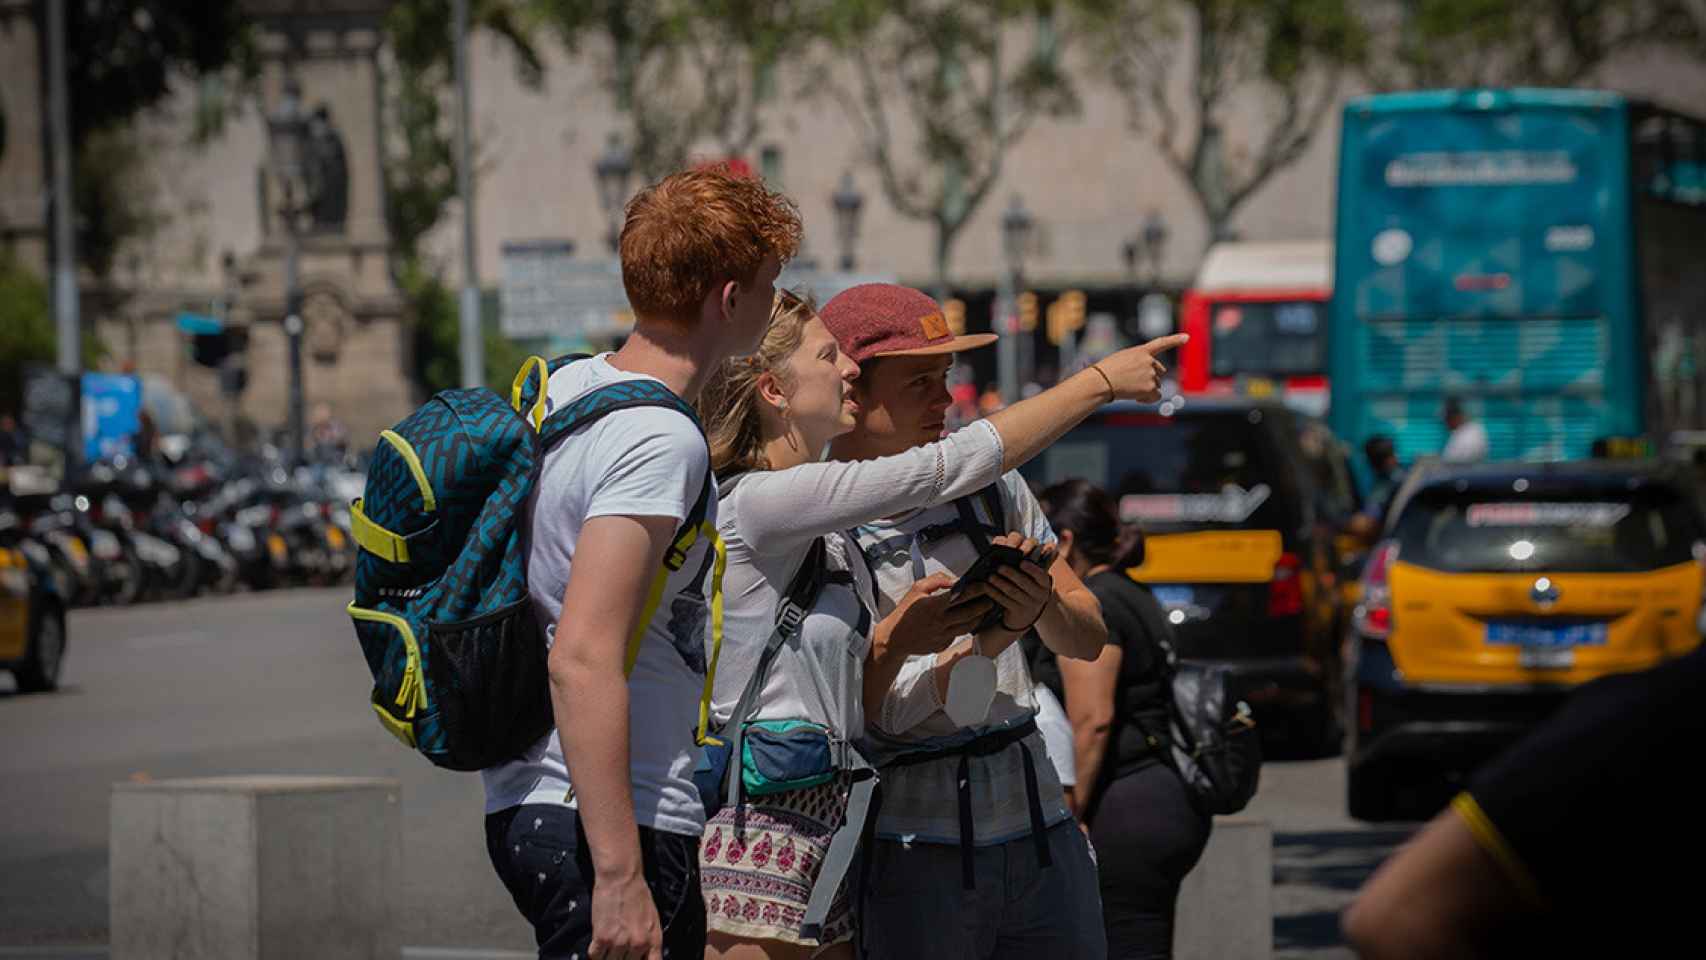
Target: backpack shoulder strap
[992, 502]
[597, 404]
[976, 529]
[600, 402]
[527, 393]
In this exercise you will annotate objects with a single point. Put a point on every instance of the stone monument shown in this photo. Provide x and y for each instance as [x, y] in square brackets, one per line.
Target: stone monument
[356, 343]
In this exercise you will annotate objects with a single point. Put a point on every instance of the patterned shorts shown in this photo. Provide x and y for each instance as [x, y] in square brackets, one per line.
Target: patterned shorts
[757, 868]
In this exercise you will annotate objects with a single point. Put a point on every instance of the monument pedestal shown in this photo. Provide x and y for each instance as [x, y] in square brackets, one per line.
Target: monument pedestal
[256, 868]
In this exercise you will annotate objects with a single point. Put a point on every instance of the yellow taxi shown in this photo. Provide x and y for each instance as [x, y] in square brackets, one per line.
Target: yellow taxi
[1495, 590]
[32, 623]
[1238, 499]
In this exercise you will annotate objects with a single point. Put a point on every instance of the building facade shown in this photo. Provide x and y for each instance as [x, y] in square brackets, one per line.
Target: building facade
[1089, 181]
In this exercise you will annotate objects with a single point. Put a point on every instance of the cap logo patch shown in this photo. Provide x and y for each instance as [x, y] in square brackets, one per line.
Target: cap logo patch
[935, 326]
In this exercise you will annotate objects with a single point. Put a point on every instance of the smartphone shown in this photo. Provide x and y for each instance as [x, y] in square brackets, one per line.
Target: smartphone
[997, 556]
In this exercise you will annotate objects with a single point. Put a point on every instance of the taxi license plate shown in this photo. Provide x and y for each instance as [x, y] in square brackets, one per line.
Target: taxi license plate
[335, 537]
[275, 546]
[1546, 646]
[1173, 597]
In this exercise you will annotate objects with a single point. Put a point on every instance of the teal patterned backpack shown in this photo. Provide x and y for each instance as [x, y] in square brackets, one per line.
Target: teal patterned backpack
[441, 606]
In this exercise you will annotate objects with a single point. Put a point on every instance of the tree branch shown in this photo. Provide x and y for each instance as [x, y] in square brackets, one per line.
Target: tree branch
[878, 142]
[1287, 139]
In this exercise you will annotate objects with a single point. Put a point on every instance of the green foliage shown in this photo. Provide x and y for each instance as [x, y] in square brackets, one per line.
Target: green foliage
[947, 76]
[1440, 43]
[26, 329]
[686, 71]
[437, 338]
[421, 169]
[113, 196]
[122, 59]
[1292, 55]
[27, 335]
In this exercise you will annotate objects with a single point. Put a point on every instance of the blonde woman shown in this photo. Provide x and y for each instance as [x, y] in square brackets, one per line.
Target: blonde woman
[769, 417]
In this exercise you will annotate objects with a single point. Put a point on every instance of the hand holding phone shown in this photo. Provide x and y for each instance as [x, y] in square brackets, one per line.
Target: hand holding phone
[1022, 593]
[999, 571]
[997, 556]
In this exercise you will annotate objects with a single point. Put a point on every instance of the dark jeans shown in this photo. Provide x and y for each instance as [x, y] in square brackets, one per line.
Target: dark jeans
[541, 854]
[916, 904]
[1147, 837]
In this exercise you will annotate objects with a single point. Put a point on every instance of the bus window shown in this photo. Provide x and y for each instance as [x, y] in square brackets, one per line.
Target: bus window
[1268, 339]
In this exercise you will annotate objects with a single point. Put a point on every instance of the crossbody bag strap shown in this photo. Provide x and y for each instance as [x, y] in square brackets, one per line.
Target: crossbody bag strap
[843, 847]
[802, 593]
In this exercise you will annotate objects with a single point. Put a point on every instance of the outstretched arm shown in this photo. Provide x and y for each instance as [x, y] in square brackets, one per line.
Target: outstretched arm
[1030, 426]
[783, 509]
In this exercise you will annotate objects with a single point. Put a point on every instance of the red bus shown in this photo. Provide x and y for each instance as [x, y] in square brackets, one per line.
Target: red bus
[1257, 316]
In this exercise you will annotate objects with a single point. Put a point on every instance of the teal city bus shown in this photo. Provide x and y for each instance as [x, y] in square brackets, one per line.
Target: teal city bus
[1539, 254]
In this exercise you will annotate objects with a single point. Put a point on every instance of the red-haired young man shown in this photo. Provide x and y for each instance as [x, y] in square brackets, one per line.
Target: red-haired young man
[608, 867]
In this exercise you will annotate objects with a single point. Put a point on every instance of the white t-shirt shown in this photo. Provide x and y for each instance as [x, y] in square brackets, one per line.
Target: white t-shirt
[1467, 444]
[769, 518]
[920, 800]
[643, 462]
[1057, 733]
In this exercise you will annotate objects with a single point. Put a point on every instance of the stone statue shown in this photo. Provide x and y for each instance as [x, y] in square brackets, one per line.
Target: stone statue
[327, 172]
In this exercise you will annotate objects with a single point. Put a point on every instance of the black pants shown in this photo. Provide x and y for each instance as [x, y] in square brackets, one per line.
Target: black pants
[541, 854]
[1147, 837]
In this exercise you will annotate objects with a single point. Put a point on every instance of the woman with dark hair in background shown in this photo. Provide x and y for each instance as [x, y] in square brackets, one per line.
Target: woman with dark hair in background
[1142, 824]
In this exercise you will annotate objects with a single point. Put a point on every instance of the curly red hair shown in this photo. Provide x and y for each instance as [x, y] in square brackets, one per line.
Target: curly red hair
[693, 231]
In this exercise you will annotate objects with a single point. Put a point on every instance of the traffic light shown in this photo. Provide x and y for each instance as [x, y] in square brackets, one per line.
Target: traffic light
[210, 349]
[1027, 311]
[1065, 316]
[954, 311]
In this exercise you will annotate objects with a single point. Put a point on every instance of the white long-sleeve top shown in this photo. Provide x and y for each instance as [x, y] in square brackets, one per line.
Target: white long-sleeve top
[768, 520]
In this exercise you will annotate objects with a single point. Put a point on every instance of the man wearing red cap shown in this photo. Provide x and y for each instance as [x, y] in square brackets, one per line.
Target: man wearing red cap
[976, 853]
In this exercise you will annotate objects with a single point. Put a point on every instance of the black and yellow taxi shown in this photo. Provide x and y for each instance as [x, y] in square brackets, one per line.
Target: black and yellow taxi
[32, 621]
[1235, 505]
[1494, 591]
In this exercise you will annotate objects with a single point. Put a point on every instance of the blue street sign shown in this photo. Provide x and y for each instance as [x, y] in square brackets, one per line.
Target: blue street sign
[111, 403]
[199, 323]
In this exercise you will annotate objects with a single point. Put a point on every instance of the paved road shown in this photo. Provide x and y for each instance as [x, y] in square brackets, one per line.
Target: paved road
[274, 683]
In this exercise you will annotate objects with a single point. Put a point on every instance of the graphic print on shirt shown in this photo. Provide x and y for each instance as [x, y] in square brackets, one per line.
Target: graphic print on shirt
[689, 615]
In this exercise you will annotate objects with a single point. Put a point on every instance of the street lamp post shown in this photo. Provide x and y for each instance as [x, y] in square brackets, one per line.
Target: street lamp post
[1154, 242]
[67, 309]
[1016, 225]
[848, 202]
[468, 313]
[287, 131]
[615, 165]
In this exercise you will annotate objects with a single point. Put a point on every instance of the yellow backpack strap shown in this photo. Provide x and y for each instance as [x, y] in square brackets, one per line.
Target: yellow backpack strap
[655, 598]
[535, 415]
[673, 559]
[717, 571]
[374, 538]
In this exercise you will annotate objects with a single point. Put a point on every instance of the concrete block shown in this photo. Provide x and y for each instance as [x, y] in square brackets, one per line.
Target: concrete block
[1226, 905]
[256, 868]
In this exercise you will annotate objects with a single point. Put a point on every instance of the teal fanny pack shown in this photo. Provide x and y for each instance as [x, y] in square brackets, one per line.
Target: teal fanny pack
[781, 755]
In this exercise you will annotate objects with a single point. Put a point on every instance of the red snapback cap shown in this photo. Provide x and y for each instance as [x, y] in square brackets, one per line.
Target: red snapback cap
[889, 320]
